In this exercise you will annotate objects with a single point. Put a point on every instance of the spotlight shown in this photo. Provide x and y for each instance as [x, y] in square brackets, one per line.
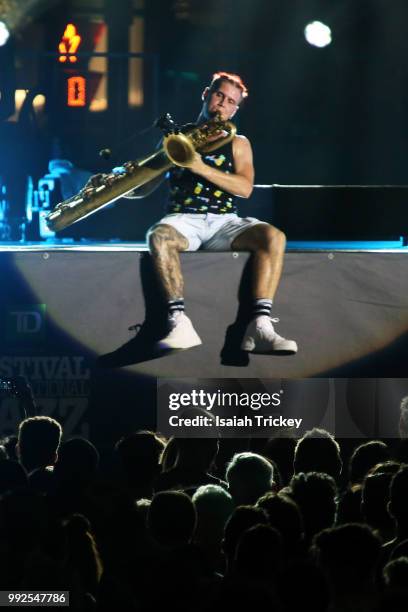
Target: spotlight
[4, 33]
[318, 34]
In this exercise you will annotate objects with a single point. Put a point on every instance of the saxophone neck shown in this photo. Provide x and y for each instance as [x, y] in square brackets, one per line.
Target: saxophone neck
[218, 133]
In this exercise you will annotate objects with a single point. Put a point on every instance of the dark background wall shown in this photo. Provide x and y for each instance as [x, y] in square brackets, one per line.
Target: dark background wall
[335, 115]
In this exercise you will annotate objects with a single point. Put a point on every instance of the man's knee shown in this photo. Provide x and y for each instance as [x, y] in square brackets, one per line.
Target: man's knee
[273, 239]
[164, 237]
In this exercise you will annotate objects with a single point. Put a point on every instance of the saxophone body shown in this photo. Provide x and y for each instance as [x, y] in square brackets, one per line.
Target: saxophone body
[177, 149]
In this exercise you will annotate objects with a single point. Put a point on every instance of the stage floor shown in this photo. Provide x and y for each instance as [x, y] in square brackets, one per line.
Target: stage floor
[343, 306]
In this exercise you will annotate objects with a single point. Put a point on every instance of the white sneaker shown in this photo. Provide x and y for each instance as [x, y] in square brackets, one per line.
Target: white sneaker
[260, 337]
[182, 334]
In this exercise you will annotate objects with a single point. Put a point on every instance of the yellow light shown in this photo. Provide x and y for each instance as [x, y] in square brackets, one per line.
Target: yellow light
[69, 44]
[19, 97]
[76, 91]
[39, 102]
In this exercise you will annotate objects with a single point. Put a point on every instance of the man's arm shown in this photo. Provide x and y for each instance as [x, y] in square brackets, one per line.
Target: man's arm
[241, 182]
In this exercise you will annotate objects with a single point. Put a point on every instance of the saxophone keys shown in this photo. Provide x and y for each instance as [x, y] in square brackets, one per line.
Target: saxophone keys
[130, 166]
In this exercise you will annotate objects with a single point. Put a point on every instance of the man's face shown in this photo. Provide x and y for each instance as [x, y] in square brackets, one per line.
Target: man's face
[223, 100]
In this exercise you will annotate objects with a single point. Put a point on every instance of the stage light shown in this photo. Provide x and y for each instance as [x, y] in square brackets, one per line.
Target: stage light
[318, 34]
[4, 33]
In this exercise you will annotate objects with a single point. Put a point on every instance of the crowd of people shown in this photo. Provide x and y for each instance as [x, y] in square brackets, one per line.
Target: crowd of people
[182, 523]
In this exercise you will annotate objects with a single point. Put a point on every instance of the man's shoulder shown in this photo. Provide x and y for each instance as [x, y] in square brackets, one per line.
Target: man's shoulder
[241, 144]
[240, 138]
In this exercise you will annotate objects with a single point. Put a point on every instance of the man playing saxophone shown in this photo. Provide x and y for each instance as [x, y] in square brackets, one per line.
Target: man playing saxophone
[202, 213]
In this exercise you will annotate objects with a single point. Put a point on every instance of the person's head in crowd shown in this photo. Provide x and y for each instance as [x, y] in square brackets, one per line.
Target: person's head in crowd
[139, 455]
[318, 451]
[172, 518]
[193, 453]
[249, 476]
[374, 504]
[303, 586]
[395, 574]
[243, 518]
[38, 442]
[83, 559]
[385, 467]
[349, 554]
[200, 452]
[12, 476]
[188, 463]
[10, 445]
[395, 580]
[349, 506]
[214, 506]
[364, 458]
[259, 554]
[284, 515]
[78, 462]
[169, 456]
[281, 450]
[398, 501]
[403, 422]
[315, 493]
[196, 453]
[400, 550]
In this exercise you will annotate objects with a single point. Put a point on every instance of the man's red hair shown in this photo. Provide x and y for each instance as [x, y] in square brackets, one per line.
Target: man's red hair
[235, 79]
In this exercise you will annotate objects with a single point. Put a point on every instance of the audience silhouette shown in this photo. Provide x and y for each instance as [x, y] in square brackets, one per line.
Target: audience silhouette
[162, 521]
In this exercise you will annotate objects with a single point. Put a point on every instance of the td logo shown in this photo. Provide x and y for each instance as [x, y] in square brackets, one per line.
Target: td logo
[25, 322]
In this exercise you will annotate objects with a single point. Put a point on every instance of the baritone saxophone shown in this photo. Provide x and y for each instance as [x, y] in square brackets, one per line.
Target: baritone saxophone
[177, 149]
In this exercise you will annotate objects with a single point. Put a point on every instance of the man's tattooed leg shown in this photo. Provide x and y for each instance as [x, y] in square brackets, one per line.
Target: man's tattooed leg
[165, 243]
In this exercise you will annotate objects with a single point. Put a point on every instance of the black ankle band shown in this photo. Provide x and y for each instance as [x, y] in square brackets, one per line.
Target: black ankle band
[175, 305]
[262, 306]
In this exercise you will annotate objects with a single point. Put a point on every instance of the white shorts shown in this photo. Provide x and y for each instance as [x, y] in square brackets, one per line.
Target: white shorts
[208, 231]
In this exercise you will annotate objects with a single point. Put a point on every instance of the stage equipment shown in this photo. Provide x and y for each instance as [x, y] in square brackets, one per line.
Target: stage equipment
[178, 149]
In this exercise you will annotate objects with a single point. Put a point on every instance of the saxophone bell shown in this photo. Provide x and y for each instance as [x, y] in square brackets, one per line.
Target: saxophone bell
[180, 148]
